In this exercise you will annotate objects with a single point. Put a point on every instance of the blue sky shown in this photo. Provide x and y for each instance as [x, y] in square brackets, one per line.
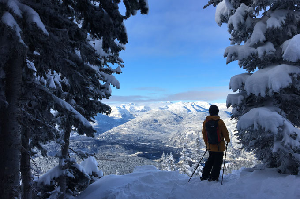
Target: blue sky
[175, 53]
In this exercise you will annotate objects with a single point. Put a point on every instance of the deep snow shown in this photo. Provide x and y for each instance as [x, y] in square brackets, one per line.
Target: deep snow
[149, 182]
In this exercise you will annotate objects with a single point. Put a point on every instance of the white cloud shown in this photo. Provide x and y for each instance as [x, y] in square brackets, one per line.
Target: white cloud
[150, 89]
[208, 94]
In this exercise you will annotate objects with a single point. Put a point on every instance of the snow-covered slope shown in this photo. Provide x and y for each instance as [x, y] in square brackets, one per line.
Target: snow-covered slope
[148, 182]
[119, 115]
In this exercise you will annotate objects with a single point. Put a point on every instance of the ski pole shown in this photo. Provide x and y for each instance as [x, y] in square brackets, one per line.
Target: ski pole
[224, 164]
[197, 166]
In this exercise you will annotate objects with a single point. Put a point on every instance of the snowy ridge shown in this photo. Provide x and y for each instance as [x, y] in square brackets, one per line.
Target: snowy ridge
[148, 182]
[119, 115]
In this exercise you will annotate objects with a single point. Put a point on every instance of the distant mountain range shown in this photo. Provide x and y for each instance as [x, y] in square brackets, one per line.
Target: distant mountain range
[163, 126]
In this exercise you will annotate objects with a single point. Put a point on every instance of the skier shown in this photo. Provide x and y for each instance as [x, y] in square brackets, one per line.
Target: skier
[214, 132]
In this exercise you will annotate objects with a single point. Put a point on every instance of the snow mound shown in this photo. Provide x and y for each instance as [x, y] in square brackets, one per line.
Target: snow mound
[90, 165]
[149, 182]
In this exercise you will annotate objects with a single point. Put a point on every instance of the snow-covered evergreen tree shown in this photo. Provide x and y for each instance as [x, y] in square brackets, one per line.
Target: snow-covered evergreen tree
[196, 154]
[183, 164]
[49, 64]
[265, 39]
[197, 150]
[163, 162]
[170, 162]
[79, 177]
[167, 162]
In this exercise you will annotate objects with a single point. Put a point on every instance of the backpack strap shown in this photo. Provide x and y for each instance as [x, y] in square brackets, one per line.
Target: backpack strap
[219, 135]
[207, 135]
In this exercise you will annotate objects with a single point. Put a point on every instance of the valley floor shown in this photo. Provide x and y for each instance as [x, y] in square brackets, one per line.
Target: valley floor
[148, 182]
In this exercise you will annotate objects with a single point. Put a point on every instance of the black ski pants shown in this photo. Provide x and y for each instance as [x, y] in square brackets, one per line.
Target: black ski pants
[213, 165]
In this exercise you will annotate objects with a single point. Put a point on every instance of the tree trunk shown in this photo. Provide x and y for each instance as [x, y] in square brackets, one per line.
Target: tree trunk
[64, 156]
[10, 136]
[25, 166]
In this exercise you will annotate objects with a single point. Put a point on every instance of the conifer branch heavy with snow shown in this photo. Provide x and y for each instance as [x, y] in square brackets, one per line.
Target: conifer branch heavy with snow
[265, 42]
[52, 76]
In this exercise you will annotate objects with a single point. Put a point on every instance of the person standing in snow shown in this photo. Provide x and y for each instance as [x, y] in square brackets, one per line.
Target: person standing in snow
[211, 170]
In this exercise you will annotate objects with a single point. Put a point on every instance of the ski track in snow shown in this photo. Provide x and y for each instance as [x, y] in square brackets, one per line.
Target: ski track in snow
[148, 182]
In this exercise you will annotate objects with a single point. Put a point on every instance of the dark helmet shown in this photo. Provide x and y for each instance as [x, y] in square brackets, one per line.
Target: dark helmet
[213, 110]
